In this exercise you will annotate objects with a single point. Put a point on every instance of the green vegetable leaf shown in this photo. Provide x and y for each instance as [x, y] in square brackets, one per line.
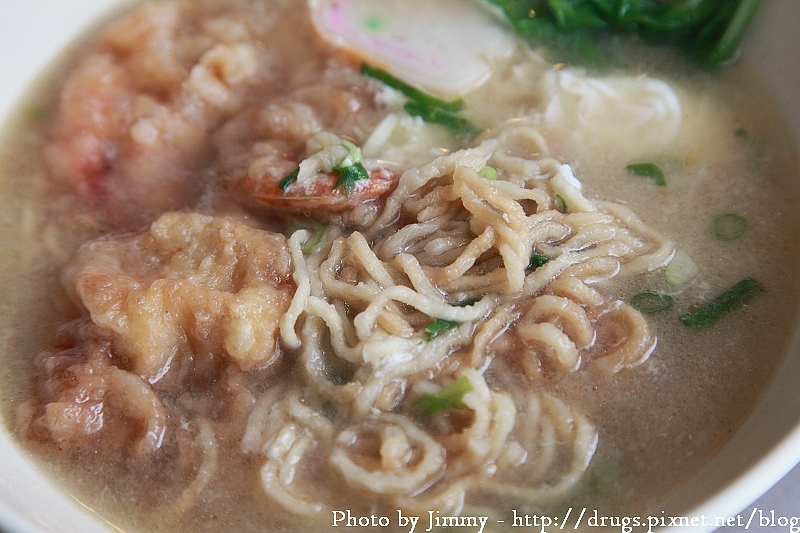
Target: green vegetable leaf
[348, 176]
[709, 31]
[648, 170]
[577, 14]
[449, 397]
[735, 297]
[439, 326]
[651, 302]
[718, 41]
[410, 92]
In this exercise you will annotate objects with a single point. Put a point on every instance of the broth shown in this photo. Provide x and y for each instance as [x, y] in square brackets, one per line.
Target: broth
[657, 416]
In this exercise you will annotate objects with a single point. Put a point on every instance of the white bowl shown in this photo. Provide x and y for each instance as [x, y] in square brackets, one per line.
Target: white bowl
[761, 453]
[767, 446]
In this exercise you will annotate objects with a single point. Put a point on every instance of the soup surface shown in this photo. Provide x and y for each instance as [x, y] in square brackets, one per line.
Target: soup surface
[252, 285]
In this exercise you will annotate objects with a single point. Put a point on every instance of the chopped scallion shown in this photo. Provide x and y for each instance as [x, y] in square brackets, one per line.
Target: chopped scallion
[450, 397]
[561, 204]
[312, 241]
[651, 302]
[648, 170]
[729, 227]
[349, 175]
[440, 326]
[537, 260]
[315, 230]
[411, 92]
[458, 125]
[289, 179]
[353, 155]
[681, 269]
[488, 173]
[735, 297]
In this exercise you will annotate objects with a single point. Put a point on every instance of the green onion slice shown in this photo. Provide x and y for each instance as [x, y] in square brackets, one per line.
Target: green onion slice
[681, 269]
[735, 297]
[353, 155]
[648, 170]
[315, 229]
[561, 204]
[349, 175]
[440, 326]
[729, 227]
[411, 92]
[314, 239]
[458, 125]
[289, 179]
[651, 302]
[488, 173]
[537, 260]
[449, 397]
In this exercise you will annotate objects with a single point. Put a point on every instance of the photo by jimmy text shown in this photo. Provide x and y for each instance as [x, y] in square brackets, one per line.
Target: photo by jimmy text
[428, 522]
[572, 519]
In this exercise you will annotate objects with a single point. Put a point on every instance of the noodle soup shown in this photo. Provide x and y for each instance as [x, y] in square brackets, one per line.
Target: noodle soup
[264, 294]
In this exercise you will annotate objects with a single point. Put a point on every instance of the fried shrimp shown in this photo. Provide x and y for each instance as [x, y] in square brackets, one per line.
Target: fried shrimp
[132, 126]
[289, 155]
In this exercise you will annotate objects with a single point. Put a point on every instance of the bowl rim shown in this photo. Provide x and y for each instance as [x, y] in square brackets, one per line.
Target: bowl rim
[21, 482]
